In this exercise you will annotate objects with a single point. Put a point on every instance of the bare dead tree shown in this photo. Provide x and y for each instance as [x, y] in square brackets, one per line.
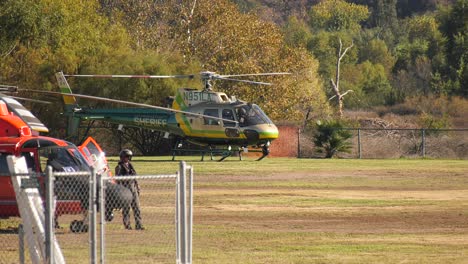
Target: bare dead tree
[187, 20]
[336, 83]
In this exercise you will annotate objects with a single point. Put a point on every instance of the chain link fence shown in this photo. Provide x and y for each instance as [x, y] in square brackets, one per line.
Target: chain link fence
[10, 244]
[9, 222]
[85, 215]
[151, 238]
[370, 143]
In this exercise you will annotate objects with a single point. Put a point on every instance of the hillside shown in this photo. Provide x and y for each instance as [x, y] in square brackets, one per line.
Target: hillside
[279, 11]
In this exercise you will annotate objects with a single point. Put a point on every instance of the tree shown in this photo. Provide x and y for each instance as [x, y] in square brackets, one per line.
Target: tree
[454, 26]
[148, 142]
[52, 35]
[331, 138]
[296, 33]
[228, 42]
[336, 83]
[376, 52]
[334, 20]
[384, 14]
[419, 57]
[337, 15]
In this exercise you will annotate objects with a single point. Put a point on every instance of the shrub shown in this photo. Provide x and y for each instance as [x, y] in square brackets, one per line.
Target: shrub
[331, 138]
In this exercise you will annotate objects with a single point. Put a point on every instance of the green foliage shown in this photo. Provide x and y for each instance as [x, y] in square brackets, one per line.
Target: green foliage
[420, 52]
[454, 27]
[324, 46]
[369, 83]
[432, 122]
[376, 52]
[229, 42]
[149, 91]
[337, 15]
[384, 14]
[296, 33]
[331, 138]
[55, 35]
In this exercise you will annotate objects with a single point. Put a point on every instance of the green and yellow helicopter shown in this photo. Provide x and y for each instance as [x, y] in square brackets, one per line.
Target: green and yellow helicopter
[202, 117]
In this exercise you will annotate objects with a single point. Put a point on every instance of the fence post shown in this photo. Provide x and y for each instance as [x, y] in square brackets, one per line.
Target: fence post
[359, 142]
[423, 142]
[21, 243]
[177, 217]
[49, 215]
[92, 217]
[102, 221]
[299, 143]
[182, 214]
[190, 219]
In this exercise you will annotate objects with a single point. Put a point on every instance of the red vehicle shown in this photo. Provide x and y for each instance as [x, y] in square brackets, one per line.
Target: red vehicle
[19, 136]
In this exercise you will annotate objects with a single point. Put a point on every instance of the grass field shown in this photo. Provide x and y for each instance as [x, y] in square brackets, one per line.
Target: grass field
[284, 210]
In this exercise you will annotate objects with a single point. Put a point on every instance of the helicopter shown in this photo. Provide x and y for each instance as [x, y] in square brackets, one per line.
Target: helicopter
[20, 136]
[204, 117]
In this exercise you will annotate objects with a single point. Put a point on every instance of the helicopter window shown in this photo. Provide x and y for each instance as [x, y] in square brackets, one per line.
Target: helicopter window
[211, 112]
[228, 114]
[65, 159]
[92, 148]
[261, 114]
[251, 114]
[86, 151]
[29, 157]
[3, 164]
[224, 98]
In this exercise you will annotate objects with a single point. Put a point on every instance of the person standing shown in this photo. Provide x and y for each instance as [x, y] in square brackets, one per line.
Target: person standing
[125, 168]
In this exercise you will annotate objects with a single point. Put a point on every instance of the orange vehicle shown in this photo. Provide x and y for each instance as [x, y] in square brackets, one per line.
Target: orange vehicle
[19, 136]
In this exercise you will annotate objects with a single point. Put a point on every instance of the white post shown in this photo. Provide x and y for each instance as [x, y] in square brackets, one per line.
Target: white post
[102, 206]
[177, 218]
[190, 219]
[30, 205]
[21, 243]
[18, 169]
[49, 215]
[183, 214]
[92, 220]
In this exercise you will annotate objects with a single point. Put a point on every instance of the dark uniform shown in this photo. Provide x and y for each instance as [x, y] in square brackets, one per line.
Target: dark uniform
[125, 168]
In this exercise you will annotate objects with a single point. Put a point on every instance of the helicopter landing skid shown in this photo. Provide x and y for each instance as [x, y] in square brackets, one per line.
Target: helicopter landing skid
[225, 155]
[265, 152]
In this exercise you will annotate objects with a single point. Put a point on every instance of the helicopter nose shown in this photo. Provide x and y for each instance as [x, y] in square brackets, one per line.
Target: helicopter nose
[270, 133]
[261, 134]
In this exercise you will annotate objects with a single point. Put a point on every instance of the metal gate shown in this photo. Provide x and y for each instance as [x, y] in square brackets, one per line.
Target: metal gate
[166, 207]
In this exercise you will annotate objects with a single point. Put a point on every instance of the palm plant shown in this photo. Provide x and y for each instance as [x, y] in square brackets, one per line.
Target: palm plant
[332, 137]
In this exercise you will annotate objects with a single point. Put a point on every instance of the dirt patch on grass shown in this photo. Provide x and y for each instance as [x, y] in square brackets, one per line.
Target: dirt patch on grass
[394, 202]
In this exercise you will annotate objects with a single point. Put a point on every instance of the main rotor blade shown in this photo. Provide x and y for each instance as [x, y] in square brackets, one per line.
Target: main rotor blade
[256, 74]
[190, 76]
[8, 88]
[237, 80]
[29, 99]
[129, 103]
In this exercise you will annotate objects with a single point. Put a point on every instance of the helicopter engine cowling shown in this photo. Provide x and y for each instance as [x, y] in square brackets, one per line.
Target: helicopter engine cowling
[251, 135]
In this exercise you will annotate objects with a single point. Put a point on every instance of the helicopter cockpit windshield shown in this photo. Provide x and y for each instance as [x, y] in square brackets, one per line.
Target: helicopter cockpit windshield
[65, 159]
[251, 114]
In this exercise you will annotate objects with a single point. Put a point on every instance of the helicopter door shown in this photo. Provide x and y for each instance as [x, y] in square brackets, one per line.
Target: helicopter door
[95, 156]
[231, 130]
[228, 114]
[209, 121]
